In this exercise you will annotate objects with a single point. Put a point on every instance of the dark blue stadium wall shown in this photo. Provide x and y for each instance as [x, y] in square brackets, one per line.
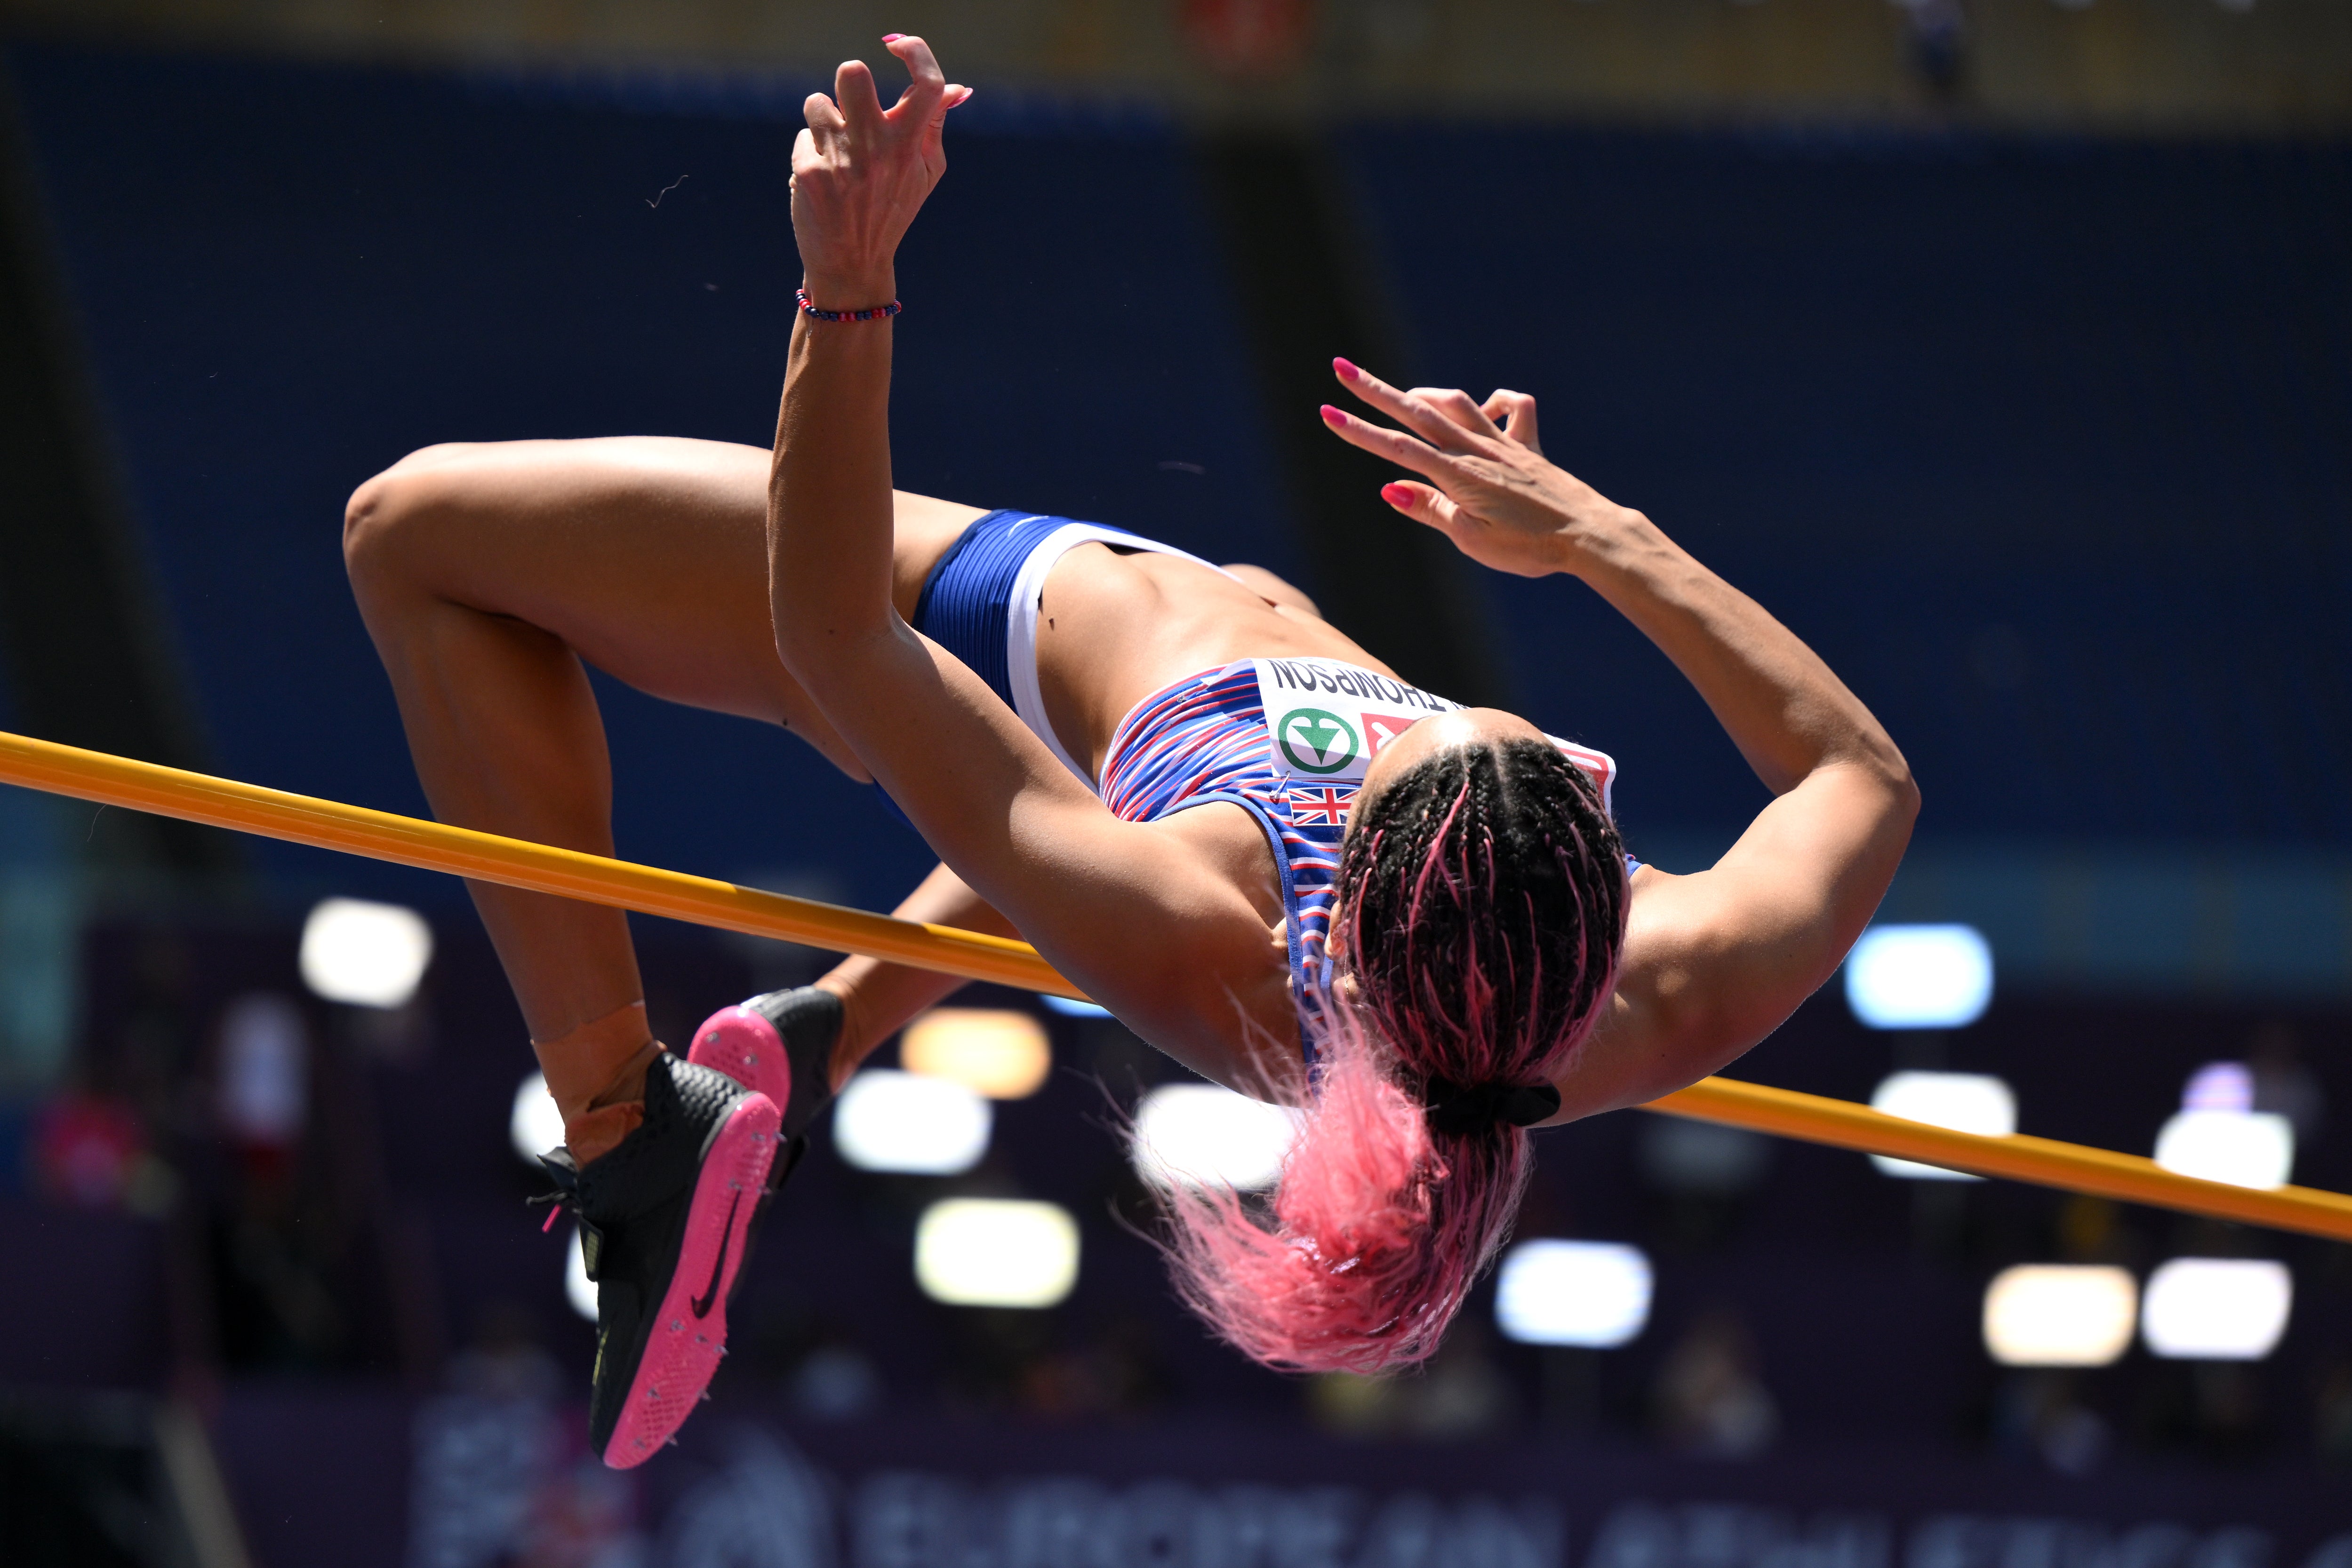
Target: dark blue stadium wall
[2046, 446]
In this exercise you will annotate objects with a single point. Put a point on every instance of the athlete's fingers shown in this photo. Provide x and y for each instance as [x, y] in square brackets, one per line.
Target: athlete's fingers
[823, 116]
[923, 93]
[1516, 412]
[853, 90]
[1387, 399]
[1403, 407]
[1394, 444]
[1454, 405]
[934, 145]
[1421, 504]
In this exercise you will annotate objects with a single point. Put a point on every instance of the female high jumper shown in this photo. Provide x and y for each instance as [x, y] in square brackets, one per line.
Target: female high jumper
[1205, 804]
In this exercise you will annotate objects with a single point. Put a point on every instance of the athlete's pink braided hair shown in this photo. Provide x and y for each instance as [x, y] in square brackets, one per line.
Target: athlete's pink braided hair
[1483, 897]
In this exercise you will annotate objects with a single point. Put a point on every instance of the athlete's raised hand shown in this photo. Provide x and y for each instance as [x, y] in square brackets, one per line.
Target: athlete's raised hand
[1490, 489]
[860, 173]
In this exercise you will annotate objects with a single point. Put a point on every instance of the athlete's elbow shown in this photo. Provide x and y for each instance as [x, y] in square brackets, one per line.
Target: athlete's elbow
[818, 645]
[1902, 794]
[803, 654]
[1891, 780]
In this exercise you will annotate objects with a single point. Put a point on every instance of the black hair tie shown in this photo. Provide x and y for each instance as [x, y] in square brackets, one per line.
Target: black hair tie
[1458, 1112]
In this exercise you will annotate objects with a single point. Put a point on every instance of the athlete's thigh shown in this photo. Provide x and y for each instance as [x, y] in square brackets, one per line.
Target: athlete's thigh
[647, 554]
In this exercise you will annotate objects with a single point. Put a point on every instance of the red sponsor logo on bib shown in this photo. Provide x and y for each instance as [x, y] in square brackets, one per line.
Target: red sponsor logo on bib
[1380, 728]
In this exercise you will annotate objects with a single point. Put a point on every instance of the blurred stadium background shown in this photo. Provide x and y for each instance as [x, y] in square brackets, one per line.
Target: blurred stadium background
[2003, 348]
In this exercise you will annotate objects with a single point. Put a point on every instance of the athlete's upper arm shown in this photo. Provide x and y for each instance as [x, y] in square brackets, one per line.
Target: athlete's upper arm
[1143, 925]
[1716, 961]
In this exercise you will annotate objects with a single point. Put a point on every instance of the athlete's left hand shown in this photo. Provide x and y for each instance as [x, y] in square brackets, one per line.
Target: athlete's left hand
[860, 172]
[1490, 489]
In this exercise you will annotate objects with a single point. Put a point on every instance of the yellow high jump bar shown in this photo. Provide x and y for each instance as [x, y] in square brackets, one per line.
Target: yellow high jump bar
[536, 868]
[539, 868]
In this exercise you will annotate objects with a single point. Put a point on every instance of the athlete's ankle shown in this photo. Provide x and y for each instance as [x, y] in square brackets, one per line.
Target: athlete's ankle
[628, 1085]
[593, 1134]
[596, 1075]
[613, 1114]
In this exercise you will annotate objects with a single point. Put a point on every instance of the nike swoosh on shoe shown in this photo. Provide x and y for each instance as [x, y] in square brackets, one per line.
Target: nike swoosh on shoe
[701, 1303]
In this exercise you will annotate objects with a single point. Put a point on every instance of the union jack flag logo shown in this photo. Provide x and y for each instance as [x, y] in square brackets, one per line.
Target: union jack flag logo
[1326, 806]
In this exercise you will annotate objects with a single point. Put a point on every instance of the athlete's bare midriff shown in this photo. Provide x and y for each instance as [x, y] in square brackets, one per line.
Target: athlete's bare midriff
[1117, 626]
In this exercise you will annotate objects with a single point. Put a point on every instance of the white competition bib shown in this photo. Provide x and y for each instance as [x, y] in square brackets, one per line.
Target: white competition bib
[1328, 720]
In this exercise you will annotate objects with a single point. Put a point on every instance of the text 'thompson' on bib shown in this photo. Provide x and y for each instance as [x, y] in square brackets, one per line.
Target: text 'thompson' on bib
[1327, 720]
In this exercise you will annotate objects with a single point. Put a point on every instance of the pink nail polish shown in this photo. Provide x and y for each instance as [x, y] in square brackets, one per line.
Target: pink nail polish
[1345, 370]
[1396, 495]
[1333, 417]
[892, 37]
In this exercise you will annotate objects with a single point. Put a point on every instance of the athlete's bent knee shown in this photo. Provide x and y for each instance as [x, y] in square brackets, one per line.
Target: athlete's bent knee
[381, 516]
[369, 523]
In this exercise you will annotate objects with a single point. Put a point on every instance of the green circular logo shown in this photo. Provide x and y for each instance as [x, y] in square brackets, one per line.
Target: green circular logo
[1315, 741]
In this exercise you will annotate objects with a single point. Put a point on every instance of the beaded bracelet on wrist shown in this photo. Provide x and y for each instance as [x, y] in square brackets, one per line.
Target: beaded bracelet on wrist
[877, 313]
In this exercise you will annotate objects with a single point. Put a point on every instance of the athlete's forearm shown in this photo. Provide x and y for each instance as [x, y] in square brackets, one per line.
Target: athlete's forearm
[879, 999]
[1782, 705]
[829, 497]
[860, 173]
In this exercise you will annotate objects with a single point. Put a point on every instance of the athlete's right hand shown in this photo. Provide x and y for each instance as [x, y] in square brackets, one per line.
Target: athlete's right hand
[860, 173]
[1490, 489]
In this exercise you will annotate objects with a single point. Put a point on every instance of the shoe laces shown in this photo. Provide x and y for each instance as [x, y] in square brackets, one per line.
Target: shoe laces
[565, 1174]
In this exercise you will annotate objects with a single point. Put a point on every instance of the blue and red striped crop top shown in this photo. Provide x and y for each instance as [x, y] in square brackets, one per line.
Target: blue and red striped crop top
[1288, 740]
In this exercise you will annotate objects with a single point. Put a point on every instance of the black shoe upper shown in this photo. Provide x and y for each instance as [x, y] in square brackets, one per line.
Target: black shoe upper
[632, 1206]
[808, 1019]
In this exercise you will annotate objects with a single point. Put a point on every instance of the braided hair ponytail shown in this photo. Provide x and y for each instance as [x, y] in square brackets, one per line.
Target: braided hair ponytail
[1483, 898]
